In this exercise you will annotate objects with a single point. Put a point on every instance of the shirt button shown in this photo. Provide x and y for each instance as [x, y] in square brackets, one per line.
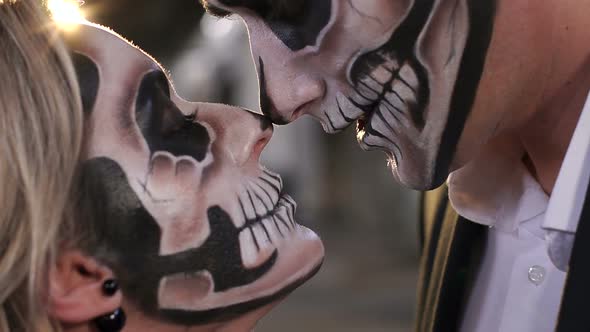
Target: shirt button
[537, 274]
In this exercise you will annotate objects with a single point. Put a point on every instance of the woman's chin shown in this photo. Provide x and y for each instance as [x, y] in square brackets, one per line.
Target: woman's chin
[297, 258]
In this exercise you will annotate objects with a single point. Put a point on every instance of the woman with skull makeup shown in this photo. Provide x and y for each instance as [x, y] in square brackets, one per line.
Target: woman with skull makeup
[125, 207]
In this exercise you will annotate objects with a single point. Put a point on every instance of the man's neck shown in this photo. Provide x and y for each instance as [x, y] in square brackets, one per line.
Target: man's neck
[548, 131]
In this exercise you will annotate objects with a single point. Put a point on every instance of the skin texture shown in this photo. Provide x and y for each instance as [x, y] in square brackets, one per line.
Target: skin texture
[431, 83]
[197, 232]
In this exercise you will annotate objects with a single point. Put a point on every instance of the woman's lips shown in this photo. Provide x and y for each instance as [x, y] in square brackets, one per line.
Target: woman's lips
[261, 237]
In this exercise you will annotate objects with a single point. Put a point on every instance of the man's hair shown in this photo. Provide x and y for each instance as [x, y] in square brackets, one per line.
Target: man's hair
[40, 139]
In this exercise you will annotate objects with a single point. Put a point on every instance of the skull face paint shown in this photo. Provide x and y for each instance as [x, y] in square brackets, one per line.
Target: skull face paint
[195, 229]
[406, 71]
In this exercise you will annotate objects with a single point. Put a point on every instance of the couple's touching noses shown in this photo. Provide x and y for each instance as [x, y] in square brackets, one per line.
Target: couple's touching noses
[487, 96]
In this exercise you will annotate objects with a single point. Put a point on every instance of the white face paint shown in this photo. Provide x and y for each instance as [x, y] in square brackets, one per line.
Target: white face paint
[406, 71]
[195, 228]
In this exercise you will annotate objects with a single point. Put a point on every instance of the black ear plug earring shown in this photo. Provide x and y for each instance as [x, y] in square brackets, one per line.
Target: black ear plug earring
[110, 287]
[114, 321]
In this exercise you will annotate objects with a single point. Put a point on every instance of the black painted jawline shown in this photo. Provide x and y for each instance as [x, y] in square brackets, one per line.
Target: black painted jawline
[128, 240]
[481, 16]
[236, 310]
[220, 255]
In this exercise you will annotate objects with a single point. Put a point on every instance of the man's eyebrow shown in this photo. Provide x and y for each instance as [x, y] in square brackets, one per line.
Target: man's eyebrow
[214, 10]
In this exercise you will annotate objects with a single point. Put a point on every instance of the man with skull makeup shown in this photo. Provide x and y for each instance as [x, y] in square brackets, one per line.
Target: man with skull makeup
[178, 209]
[488, 95]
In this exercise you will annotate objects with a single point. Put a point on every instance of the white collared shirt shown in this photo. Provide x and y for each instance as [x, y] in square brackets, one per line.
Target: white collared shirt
[519, 287]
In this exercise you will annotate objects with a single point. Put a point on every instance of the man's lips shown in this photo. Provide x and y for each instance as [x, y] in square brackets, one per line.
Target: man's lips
[392, 98]
[388, 82]
[385, 102]
[390, 92]
[392, 111]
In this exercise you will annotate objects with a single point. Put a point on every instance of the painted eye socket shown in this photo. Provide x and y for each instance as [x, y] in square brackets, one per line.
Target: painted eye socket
[88, 80]
[163, 125]
[152, 86]
[286, 11]
[152, 104]
[298, 23]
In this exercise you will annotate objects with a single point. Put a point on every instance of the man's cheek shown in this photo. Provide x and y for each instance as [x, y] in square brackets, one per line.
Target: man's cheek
[441, 44]
[381, 12]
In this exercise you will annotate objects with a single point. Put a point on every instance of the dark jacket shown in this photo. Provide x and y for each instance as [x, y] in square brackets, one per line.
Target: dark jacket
[451, 251]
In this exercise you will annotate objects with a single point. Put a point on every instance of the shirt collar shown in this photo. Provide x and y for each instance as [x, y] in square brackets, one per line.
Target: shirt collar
[496, 189]
[567, 198]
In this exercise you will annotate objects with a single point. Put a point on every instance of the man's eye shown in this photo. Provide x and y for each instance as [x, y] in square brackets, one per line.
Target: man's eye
[287, 11]
[298, 23]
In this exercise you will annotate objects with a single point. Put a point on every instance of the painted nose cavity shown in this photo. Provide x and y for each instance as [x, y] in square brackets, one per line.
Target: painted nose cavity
[258, 140]
[286, 93]
[241, 135]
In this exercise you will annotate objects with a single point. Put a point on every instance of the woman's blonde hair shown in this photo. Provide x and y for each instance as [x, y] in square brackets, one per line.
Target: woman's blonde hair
[40, 139]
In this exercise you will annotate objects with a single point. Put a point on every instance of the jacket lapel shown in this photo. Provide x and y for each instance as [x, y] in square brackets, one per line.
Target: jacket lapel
[573, 315]
[452, 249]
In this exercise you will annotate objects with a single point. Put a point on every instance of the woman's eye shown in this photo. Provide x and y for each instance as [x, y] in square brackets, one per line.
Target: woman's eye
[176, 123]
[163, 125]
[153, 98]
[88, 80]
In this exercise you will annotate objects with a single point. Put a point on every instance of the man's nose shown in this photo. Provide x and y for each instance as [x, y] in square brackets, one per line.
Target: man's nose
[239, 133]
[287, 91]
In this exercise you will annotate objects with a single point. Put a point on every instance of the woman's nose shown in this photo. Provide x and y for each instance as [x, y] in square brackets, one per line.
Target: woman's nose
[240, 133]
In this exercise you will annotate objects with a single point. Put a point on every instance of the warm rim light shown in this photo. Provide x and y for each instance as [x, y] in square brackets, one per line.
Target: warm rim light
[66, 11]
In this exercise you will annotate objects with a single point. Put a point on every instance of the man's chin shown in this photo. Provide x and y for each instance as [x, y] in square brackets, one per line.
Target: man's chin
[416, 177]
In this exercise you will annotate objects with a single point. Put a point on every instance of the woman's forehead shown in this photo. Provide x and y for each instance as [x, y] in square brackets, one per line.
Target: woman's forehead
[108, 49]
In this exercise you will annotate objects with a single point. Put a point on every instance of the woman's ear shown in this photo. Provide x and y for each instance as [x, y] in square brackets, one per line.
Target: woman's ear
[76, 292]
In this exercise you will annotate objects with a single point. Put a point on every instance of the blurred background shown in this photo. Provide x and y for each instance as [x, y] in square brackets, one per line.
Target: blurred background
[367, 221]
